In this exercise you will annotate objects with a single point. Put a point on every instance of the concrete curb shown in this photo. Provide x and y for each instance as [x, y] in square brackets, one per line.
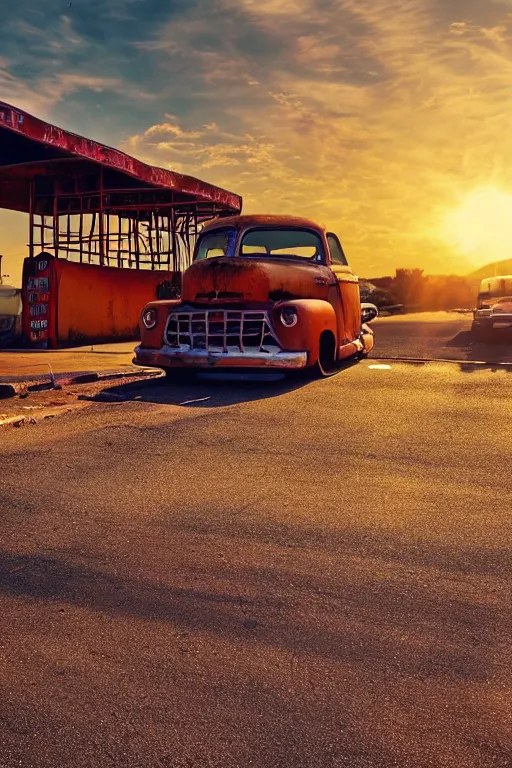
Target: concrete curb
[13, 421]
[75, 377]
[86, 350]
[22, 420]
[145, 373]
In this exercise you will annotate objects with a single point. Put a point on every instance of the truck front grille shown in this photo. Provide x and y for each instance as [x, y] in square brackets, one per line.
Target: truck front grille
[221, 329]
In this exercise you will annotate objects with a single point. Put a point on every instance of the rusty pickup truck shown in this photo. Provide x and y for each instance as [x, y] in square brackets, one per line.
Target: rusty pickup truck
[263, 292]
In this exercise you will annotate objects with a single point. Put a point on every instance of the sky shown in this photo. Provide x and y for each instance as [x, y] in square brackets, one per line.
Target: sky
[387, 121]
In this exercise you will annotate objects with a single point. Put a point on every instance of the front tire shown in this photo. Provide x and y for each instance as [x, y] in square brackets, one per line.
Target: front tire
[326, 363]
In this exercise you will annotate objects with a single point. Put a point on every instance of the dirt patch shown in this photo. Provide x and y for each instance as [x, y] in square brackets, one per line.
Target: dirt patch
[30, 407]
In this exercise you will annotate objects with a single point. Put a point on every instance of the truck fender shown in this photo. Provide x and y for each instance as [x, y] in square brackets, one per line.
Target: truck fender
[151, 338]
[314, 317]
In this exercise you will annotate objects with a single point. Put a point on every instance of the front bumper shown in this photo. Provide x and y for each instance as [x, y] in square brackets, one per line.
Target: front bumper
[172, 357]
[497, 320]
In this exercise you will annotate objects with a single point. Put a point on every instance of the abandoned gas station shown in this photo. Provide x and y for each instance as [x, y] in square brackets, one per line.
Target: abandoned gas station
[106, 232]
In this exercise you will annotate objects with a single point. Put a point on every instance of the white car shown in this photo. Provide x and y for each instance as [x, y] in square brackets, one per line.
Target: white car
[10, 314]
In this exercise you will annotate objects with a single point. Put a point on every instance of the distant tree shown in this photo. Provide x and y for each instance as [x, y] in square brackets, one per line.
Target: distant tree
[448, 292]
[409, 286]
[414, 289]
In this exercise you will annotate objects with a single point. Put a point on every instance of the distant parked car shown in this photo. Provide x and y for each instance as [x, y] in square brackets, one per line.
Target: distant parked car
[494, 307]
[383, 300]
[394, 309]
[10, 314]
[263, 292]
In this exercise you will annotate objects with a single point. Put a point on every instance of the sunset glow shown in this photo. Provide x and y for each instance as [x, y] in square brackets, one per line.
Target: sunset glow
[387, 122]
[481, 226]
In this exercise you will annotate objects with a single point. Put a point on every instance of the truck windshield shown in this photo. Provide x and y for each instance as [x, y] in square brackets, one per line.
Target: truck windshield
[283, 243]
[277, 243]
[218, 243]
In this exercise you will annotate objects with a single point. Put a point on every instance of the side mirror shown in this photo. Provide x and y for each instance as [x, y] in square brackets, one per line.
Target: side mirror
[368, 313]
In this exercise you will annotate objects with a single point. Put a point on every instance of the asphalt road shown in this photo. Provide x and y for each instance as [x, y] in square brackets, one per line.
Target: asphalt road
[275, 575]
[437, 335]
[425, 335]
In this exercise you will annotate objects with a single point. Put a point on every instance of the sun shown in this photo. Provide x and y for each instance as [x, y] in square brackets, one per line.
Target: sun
[481, 226]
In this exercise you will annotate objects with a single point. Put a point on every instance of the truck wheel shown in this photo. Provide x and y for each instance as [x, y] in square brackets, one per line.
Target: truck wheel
[326, 364]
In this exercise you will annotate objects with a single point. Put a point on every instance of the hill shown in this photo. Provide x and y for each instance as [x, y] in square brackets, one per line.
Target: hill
[491, 270]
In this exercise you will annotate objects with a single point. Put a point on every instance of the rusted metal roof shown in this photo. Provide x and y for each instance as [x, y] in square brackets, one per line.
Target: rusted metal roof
[260, 220]
[30, 147]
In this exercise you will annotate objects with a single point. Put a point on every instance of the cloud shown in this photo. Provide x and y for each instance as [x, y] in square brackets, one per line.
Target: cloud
[349, 123]
[267, 10]
[41, 96]
[374, 117]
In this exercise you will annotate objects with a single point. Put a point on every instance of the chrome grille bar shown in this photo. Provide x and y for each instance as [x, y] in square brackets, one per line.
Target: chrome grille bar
[191, 335]
[262, 337]
[241, 341]
[220, 328]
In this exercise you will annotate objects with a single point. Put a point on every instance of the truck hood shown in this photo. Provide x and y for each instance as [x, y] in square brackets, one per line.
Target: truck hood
[254, 280]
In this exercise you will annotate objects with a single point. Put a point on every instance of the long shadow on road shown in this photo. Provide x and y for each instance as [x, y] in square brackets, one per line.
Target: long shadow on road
[213, 392]
[462, 340]
[260, 604]
[491, 354]
[201, 394]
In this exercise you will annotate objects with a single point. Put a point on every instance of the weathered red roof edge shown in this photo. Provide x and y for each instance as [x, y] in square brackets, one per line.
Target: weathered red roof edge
[19, 121]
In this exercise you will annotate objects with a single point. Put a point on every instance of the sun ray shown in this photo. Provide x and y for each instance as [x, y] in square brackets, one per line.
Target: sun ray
[481, 226]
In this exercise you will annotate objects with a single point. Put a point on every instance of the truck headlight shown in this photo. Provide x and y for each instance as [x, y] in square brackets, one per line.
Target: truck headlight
[289, 317]
[150, 318]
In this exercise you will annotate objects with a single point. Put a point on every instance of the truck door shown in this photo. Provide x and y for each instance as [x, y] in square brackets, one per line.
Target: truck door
[348, 289]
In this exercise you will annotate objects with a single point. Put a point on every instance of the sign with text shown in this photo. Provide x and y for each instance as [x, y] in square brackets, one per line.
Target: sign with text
[38, 298]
